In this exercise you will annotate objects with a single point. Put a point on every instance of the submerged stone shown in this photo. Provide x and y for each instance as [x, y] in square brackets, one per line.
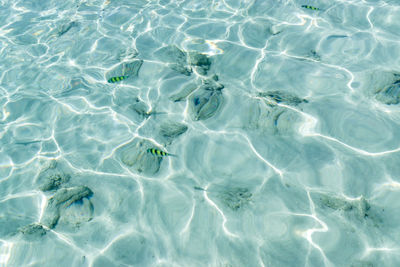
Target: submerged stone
[182, 94]
[205, 104]
[136, 156]
[132, 69]
[171, 54]
[235, 198]
[202, 70]
[363, 208]
[263, 113]
[201, 61]
[32, 231]
[185, 70]
[212, 83]
[140, 108]
[198, 59]
[272, 119]
[335, 203]
[358, 208]
[127, 54]
[54, 181]
[389, 95]
[176, 59]
[78, 212]
[170, 130]
[52, 178]
[206, 99]
[61, 200]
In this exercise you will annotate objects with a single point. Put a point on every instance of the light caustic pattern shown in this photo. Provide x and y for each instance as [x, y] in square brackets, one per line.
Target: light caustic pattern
[280, 120]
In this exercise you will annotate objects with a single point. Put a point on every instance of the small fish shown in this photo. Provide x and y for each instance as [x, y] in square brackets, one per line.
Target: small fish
[199, 188]
[310, 7]
[27, 142]
[66, 27]
[117, 79]
[159, 153]
[336, 36]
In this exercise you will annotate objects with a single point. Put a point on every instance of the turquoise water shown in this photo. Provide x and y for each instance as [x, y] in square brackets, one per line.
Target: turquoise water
[199, 133]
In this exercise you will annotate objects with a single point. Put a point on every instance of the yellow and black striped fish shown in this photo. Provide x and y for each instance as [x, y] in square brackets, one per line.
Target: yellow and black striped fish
[159, 153]
[117, 79]
[310, 7]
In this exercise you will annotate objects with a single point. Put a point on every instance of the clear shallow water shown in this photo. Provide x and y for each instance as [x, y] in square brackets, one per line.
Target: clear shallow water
[283, 121]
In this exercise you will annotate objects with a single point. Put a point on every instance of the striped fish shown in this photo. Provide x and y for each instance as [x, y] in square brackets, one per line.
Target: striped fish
[128, 70]
[310, 7]
[159, 153]
[117, 79]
